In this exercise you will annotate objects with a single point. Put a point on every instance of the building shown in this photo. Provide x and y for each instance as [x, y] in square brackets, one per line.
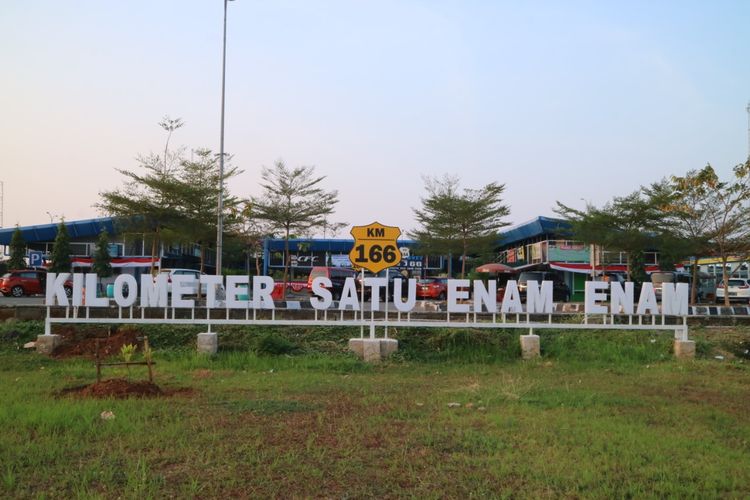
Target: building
[544, 244]
[306, 253]
[130, 252]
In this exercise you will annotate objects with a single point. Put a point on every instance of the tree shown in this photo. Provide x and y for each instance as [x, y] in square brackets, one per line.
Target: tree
[293, 201]
[687, 204]
[142, 204]
[194, 193]
[252, 231]
[174, 198]
[632, 224]
[61, 250]
[455, 221]
[102, 262]
[724, 204]
[17, 250]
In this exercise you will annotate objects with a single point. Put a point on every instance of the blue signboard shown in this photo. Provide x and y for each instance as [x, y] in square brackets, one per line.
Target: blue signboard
[36, 259]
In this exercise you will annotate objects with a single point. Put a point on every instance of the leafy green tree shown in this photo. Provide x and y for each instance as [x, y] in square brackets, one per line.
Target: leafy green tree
[61, 250]
[173, 198]
[252, 232]
[102, 262]
[17, 250]
[631, 224]
[686, 204]
[293, 202]
[725, 205]
[142, 204]
[461, 222]
[194, 193]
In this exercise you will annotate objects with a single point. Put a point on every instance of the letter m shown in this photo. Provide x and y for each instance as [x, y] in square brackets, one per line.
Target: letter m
[154, 290]
[539, 299]
[674, 299]
[375, 232]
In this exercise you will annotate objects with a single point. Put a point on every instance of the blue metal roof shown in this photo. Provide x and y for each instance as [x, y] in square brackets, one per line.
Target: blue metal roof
[541, 226]
[47, 232]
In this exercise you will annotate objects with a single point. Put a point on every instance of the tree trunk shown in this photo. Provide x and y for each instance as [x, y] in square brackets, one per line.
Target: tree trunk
[725, 279]
[203, 259]
[153, 251]
[463, 260]
[287, 259]
[694, 283]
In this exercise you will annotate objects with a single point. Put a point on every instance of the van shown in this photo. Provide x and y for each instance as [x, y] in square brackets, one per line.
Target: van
[337, 275]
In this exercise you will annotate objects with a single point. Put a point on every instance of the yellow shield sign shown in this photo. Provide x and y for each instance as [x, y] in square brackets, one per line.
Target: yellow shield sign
[375, 247]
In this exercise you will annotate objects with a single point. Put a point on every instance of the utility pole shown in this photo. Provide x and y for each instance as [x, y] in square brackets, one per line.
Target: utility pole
[220, 208]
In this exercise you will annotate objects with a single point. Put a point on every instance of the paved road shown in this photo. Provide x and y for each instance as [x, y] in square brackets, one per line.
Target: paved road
[35, 300]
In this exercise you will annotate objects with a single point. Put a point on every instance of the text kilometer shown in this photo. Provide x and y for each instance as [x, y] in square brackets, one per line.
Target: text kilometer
[154, 292]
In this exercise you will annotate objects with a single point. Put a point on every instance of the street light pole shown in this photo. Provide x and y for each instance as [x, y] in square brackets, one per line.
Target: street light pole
[220, 208]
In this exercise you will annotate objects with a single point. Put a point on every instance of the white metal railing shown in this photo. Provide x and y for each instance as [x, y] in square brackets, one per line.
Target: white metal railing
[352, 318]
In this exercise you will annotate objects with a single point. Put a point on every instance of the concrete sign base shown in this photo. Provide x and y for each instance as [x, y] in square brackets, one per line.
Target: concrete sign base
[208, 343]
[373, 350]
[46, 344]
[530, 346]
[684, 349]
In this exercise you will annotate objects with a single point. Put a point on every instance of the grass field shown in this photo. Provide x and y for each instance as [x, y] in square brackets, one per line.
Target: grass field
[601, 415]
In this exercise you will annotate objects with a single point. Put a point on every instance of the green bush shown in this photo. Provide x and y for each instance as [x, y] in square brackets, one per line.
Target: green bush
[274, 345]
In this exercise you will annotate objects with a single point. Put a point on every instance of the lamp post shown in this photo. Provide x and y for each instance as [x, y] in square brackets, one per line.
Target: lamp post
[220, 208]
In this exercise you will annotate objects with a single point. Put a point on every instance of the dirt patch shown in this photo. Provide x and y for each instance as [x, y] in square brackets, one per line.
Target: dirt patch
[116, 388]
[121, 388]
[82, 342]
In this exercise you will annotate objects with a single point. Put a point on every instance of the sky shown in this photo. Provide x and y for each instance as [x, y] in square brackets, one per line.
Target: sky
[569, 101]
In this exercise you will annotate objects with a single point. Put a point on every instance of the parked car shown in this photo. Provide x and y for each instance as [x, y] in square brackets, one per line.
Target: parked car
[28, 282]
[185, 272]
[738, 290]
[560, 291]
[391, 274]
[337, 275]
[432, 288]
[706, 291]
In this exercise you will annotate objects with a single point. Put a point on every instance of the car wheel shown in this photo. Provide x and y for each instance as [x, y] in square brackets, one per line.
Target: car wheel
[16, 291]
[441, 296]
[68, 291]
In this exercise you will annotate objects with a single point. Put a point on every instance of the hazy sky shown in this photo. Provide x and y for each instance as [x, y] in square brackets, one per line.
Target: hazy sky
[557, 100]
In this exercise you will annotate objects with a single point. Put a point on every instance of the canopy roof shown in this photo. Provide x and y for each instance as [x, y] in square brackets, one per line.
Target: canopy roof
[87, 228]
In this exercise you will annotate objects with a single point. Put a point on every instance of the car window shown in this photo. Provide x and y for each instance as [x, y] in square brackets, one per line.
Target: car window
[317, 273]
[737, 283]
[31, 275]
[531, 277]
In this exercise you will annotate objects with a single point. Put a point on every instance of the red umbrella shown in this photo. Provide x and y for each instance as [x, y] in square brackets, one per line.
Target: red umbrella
[495, 267]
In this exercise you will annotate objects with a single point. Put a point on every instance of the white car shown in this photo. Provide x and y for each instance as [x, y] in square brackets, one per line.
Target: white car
[739, 290]
[189, 272]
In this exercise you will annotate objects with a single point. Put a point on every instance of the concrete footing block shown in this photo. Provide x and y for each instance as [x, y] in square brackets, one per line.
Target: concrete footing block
[46, 344]
[357, 346]
[208, 343]
[530, 346]
[684, 349]
[373, 350]
[388, 347]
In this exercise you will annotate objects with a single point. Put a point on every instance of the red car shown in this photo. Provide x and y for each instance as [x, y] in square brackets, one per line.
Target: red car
[22, 282]
[432, 288]
[28, 282]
